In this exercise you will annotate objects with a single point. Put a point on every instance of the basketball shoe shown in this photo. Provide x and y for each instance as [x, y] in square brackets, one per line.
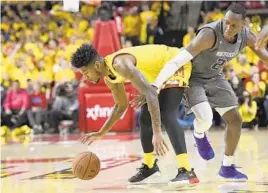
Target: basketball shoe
[231, 173]
[184, 177]
[145, 174]
[204, 148]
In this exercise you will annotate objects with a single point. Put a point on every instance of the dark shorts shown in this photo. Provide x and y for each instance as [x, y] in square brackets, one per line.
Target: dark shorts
[217, 91]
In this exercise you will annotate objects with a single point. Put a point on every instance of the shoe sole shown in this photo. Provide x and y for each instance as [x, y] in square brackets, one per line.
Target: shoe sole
[150, 179]
[232, 179]
[189, 183]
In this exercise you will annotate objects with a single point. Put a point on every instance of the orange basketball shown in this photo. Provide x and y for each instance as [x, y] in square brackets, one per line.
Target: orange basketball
[86, 165]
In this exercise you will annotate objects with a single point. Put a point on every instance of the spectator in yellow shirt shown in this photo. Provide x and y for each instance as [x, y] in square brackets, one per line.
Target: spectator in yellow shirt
[187, 38]
[248, 110]
[215, 15]
[256, 87]
[241, 66]
[157, 5]
[146, 15]
[63, 71]
[132, 26]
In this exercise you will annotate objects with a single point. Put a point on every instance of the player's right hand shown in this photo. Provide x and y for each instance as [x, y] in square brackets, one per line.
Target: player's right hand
[89, 138]
[160, 145]
[262, 38]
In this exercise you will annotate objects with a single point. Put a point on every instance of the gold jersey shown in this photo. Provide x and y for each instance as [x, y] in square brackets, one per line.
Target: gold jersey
[150, 60]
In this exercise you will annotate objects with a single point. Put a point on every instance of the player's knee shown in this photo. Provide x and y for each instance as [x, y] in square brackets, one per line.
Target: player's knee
[203, 123]
[237, 121]
[169, 119]
[166, 116]
[233, 118]
[205, 118]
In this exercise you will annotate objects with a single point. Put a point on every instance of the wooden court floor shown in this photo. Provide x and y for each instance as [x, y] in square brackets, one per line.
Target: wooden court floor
[43, 165]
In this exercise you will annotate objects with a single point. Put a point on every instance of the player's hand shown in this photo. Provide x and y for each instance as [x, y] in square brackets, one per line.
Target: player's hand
[159, 143]
[262, 38]
[89, 138]
[138, 101]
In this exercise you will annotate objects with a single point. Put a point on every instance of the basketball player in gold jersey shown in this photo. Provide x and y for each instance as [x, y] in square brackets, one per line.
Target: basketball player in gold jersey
[140, 65]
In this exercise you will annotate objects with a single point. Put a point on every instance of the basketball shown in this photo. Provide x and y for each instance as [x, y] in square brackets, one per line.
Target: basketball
[86, 166]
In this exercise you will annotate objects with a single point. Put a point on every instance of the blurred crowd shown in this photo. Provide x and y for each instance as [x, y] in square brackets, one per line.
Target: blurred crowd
[39, 87]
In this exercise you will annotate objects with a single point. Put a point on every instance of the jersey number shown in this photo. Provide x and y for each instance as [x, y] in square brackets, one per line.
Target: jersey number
[218, 65]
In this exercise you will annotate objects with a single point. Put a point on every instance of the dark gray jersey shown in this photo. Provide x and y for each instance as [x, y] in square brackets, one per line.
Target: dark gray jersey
[209, 63]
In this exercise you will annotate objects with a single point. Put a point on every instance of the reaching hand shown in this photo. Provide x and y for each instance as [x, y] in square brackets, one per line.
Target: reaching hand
[160, 145]
[262, 38]
[138, 101]
[89, 138]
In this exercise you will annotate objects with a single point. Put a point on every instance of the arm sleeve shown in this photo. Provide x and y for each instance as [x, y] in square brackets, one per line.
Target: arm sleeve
[172, 67]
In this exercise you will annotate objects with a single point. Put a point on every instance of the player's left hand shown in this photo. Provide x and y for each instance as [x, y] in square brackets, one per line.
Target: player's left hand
[160, 146]
[89, 138]
[138, 101]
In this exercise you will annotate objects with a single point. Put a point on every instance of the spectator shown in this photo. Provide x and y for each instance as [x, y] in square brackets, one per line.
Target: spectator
[15, 106]
[64, 72]
[150, 30]
[29, 86]
[248, 110]
[265, 104]
[132, 26]
[241, 67]
[189, 36]
[65, 107]
[157, 6]
[256, 87]
[233, 79]
[146, 15]
[38, 106]
[237, 85]
[215, 15]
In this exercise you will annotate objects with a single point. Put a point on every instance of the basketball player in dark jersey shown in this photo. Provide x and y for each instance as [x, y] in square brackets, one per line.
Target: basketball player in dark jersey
[215, 44]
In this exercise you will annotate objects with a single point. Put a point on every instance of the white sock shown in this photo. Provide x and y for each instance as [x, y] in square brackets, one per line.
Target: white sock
[228, 160]
[199, 135]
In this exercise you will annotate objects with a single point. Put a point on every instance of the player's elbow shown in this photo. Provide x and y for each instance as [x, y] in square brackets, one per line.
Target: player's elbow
[151, 94]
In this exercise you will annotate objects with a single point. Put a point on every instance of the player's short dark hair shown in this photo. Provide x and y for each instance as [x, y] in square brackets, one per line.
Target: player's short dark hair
[238, 9]
[84, 56]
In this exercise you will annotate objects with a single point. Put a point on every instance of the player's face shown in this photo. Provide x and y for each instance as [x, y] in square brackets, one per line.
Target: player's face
[92, 72]
[232, 25]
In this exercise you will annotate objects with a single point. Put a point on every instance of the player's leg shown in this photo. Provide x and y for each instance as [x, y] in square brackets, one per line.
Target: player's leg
[233, 131]
[226, 101]
[169, 100]
[198, 102]
[149, 168]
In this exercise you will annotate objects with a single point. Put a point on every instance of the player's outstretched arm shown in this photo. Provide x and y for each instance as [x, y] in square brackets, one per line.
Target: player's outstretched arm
[121, 104]
[204, 40]
[126, 68]
[262, 53]
[262, 38]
